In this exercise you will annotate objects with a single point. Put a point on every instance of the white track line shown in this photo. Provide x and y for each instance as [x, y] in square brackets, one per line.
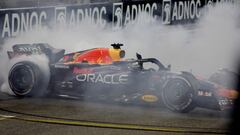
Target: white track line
[3, 117]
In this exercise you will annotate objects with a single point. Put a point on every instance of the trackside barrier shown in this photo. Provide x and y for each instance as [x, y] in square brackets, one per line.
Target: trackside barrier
[15, 21]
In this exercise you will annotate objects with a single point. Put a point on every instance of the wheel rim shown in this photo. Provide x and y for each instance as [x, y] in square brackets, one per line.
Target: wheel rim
[178, 94]
[22, 79]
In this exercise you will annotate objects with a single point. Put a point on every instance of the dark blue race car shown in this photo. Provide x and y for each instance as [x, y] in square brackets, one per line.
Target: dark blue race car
[103, 73]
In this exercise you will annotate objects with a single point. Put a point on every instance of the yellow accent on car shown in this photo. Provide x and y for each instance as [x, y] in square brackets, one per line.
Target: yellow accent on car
[76, 55]
[115, 54]
[150, 98]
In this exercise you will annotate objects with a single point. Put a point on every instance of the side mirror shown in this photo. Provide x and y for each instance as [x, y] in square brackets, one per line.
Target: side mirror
[139, 57]
[169, 67]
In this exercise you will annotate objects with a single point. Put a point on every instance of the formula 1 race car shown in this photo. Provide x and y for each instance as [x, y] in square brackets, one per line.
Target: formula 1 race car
[103, 73]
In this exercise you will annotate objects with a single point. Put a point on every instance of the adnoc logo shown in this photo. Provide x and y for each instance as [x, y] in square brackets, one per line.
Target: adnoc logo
[166, 12]
[117, 18]
[60, 15]
[180, 10]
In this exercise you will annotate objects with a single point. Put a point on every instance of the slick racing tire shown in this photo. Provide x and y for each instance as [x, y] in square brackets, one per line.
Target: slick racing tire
[26, 79]
[178, 95]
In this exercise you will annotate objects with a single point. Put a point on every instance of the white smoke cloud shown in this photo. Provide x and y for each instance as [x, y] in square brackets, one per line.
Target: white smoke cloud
[216, 40]
[40, 60]
[201, 48]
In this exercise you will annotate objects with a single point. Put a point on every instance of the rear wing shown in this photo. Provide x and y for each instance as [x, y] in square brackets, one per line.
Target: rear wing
[36, 49]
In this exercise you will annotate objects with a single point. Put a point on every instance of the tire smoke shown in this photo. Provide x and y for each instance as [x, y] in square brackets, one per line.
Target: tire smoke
[40, 60]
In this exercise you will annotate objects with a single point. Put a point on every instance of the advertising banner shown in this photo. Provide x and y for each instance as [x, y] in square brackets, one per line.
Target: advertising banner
[15, 21]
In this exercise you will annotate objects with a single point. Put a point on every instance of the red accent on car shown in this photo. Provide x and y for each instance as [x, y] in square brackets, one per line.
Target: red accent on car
[96, 56]
[77, 70]
[66, 57]
[229, 93]
[200, 78]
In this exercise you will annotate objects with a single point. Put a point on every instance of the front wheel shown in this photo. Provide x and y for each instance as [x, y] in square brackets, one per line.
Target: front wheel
[27, 79]
[178, 95]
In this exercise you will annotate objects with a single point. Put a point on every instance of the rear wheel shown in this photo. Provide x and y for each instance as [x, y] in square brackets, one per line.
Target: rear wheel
[178, 95]
[27, 79]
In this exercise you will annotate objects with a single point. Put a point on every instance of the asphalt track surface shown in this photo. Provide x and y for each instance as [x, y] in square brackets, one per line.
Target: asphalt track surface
[54, 116]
